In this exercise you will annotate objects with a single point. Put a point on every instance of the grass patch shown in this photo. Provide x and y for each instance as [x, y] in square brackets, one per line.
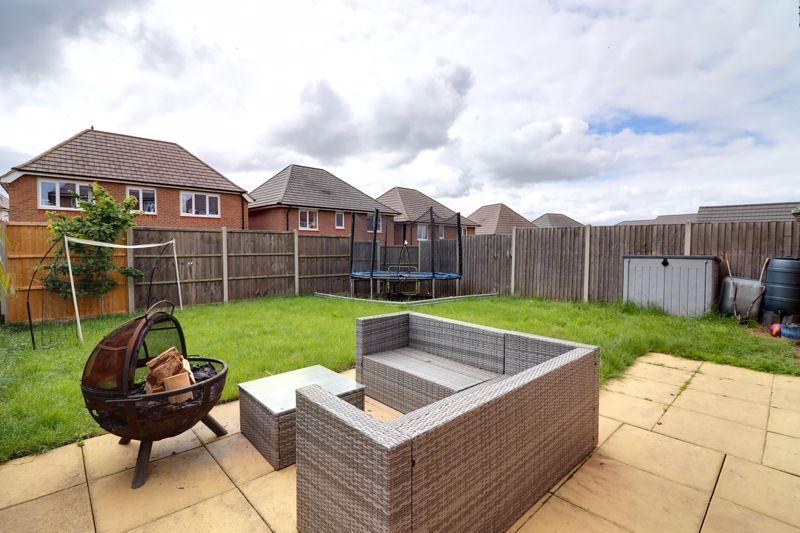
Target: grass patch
[41, 405]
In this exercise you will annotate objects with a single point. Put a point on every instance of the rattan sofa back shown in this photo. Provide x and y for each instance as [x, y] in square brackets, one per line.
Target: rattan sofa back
[474, 461]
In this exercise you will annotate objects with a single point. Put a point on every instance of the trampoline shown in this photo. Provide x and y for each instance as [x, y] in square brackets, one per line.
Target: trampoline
[405, 273]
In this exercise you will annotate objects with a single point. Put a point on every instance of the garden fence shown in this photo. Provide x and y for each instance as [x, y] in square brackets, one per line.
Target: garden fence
[583, 263]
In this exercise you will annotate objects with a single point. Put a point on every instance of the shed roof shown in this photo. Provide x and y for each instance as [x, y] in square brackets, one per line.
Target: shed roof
[746, 212]
[498, 219]
[302, 186]
[413, 204]
[103, 155]
[556, 220]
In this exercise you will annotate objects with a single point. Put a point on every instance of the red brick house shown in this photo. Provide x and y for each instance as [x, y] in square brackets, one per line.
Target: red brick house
[315, 202]
[412, 205]
[174, 188]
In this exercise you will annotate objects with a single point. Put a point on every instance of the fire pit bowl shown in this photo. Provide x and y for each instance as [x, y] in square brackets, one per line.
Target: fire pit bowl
[113, 385]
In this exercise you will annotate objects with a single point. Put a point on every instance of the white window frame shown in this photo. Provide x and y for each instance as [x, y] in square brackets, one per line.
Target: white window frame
[380, 223]
[316, 219]
[194, 194]
[58, 183]
[441, 231]
[336, 220]
[416, 231]
[130, 188]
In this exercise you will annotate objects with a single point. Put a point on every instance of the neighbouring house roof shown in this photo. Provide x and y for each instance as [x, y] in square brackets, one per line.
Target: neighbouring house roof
[301, 186]
[556, 220]
[103, 155]
[412, 204]
[498, 219]
[661, 219]
[746, 212]
[3, 202]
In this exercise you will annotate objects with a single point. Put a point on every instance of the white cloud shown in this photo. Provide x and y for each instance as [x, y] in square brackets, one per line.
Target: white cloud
[474, 102]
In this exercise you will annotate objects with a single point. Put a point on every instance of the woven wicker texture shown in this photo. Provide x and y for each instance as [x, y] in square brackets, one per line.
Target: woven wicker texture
[465, 343]
[379, 334]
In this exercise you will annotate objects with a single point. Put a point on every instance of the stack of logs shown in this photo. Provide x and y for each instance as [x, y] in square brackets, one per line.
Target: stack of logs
[170, 371]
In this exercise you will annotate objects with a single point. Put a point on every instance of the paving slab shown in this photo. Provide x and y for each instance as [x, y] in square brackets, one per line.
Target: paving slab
[66, 511]
[275, 498]
[731, 388]
[761, 489]
[239, 459]
[790, 383]
[664, 374]
[711, 432]
[727, 517]
[380, 411]
[663, 359]
[684, 463]
[736, 373]
[725, 407]
[784, 421]
[786, 399]
[559, 515]
[634, 411]
[30, 477]
[226, 414]
[104, 455]
[644, 388]
[605, 428]
[783, 453]
[529, 513]
[173, 483]
[633, 498]
[351, 373]
[229, 511]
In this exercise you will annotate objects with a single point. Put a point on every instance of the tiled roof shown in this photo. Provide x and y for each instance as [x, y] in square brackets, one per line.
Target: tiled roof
[498, 219]
[297, 185]
[412, 204]
[661, 219]
[556, 220]
[103, 155]
[746, 212]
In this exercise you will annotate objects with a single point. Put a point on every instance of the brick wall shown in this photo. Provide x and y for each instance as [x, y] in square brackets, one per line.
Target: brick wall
[24, 206]
[274, 218]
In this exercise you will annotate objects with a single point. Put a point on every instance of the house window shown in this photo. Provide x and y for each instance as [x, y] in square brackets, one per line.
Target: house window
[145, 199]
[198, 204]
[441, 232]
[59, 194]
[339, 220]
[308, 219]
[422, 232]
[371, 223]
[464, 232]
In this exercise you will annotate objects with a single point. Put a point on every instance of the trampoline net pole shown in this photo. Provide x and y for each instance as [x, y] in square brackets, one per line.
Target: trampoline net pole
[432, 240]
[372, 250]
[352, 247]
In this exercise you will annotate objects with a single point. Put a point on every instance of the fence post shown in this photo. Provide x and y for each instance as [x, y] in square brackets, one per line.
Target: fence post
[4, 270]
[225, 264]
[131, 281]
[587, 231]
[513, 259]
[296, 263]
[687, 239]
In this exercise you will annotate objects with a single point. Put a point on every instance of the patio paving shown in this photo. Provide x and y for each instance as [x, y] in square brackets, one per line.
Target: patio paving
[683, 446]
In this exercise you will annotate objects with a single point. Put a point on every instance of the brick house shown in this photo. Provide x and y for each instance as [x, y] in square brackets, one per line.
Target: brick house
[174, 188]
[411, 205]
[315, 202]
[498, 219]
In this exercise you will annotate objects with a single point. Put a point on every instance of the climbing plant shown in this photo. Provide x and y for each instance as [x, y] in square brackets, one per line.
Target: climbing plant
[102, 219]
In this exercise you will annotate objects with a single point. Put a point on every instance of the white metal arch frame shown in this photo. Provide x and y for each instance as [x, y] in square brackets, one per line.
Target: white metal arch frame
[68, 240]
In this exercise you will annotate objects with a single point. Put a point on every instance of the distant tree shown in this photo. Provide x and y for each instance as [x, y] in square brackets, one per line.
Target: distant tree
[102, 219]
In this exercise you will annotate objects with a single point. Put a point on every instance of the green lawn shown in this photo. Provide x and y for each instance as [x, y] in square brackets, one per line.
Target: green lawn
[41, 404]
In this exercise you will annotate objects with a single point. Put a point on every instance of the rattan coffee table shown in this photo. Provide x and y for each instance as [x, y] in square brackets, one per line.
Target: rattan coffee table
[267, 408]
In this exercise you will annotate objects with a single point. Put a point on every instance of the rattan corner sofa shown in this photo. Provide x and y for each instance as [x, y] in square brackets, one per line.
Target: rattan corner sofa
[493, 419]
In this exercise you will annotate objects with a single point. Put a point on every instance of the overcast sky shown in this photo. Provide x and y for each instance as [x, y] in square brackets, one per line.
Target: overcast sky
[601, 109]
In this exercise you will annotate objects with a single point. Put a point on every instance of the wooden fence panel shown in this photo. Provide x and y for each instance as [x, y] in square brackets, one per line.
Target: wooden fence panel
[26, 243]
[199, 265]
[445, 257]
[747, 244]
[608, 245]
[487, 264]
[260, 263]
[549, 263]
[324, 264]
